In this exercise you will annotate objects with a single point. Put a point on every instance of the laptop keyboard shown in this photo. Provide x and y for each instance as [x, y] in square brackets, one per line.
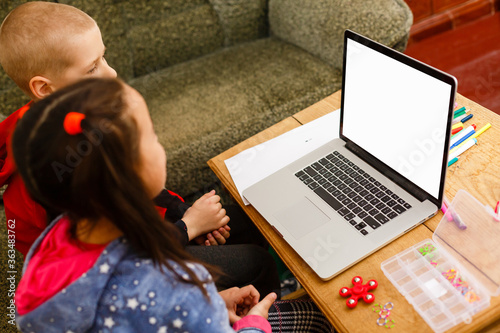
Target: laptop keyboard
[360, 199]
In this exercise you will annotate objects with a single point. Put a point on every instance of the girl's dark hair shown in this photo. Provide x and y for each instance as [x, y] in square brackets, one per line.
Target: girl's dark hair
[93, 174]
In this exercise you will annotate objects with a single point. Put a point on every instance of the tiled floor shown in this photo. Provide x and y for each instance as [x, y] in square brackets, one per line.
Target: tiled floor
[471, 53]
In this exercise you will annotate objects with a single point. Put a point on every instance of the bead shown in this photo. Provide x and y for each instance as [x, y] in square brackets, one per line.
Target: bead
[381, 321]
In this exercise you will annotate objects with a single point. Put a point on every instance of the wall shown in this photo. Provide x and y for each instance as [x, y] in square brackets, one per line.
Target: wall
[431, 17]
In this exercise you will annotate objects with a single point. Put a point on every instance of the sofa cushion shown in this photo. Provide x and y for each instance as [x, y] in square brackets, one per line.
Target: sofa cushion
[11, 99]
[174, 39]
[201, 108]
[318, 26]
[242, 21]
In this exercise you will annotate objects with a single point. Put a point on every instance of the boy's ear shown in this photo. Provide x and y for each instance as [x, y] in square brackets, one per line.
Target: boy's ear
[40, 86]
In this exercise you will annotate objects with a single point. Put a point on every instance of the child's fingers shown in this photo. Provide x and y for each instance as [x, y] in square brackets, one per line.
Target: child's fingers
[249, 291]
[211, 239]
[213, 198]
[214, 207]
[262, 308]
[208, 194]
[221, 213]
[225, 220]
[221, 240]
[225, 233]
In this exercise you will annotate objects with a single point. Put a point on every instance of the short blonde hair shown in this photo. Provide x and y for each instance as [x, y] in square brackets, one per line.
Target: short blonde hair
[34, 39]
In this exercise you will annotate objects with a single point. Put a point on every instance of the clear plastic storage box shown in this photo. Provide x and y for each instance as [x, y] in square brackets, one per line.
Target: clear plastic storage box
[450, 278]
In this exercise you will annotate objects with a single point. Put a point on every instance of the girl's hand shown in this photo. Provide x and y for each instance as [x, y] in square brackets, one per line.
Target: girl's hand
[239, 301]
[205, 215]
[262, 308]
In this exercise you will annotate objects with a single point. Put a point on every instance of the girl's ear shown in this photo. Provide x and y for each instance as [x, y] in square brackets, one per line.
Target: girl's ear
[40, 87]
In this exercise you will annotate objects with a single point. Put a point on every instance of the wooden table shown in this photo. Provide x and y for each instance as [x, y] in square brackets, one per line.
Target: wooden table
[477, 171]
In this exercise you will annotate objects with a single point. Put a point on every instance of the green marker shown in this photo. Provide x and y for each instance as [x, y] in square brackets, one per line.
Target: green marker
[456, 115]
[459, 110]
[452, 161]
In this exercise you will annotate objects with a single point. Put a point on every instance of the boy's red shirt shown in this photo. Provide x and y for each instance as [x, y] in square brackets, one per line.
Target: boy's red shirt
[28, 217]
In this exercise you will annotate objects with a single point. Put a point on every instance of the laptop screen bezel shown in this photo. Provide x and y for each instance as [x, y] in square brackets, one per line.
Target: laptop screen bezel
[392, 174]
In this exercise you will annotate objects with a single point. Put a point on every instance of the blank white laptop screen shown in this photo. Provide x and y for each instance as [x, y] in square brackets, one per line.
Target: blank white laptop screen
[384, 115]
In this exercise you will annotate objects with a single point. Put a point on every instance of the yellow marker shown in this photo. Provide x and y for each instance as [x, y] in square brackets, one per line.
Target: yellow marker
[459, 124]
[484, 128]
[475, 135]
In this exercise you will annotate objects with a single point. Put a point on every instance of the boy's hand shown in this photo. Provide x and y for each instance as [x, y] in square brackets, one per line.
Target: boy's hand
[205, 215]
[239, 301]
[216, 237]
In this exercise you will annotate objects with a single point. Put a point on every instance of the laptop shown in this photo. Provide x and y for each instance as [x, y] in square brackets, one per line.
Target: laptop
[382, 177]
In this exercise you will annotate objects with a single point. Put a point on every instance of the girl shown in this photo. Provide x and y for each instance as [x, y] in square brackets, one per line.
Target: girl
[110, 263]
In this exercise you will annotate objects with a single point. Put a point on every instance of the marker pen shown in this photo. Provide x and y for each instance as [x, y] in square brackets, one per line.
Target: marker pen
[458, 114]
[456, 130]
[464, 119]
[457, 151]
[462, 109]
[458, 119]
[453, 161]
[462, 133]
[465, 137]
[458, 221]
[455, 137]
[475, 135]
[484, 128]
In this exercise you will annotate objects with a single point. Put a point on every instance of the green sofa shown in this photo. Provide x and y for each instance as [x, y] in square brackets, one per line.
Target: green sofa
[215, 72]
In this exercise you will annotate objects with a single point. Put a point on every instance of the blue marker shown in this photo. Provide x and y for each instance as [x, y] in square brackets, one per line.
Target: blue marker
[468, 135]
[464, 119]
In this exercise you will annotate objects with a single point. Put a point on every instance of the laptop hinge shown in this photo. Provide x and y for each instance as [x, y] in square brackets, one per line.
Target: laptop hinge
[388, 172]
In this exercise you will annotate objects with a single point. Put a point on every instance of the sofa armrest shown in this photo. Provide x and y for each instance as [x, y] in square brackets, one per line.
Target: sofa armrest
[318, 26]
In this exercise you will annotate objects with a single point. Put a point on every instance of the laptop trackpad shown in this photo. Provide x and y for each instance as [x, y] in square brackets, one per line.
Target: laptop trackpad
[301, 217]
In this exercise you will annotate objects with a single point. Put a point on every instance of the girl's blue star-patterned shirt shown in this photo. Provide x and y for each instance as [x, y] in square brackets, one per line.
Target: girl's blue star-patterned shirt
[125, 293]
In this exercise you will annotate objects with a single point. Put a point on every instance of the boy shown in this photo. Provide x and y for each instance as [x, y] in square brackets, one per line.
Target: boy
[59, 46]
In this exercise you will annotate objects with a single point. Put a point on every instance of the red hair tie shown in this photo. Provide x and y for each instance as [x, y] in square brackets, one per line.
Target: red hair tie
[73, 123]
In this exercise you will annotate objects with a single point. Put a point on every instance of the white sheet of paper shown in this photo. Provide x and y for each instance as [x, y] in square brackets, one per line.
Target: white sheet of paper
[258, 162]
